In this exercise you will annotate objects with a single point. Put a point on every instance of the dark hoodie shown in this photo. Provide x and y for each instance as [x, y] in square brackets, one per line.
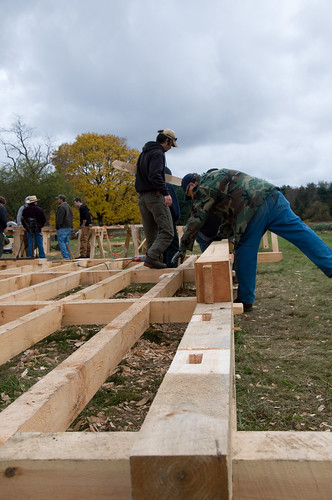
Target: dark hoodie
[151, 164]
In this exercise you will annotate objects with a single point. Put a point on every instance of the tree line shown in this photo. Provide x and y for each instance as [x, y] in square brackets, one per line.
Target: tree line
[84, 169]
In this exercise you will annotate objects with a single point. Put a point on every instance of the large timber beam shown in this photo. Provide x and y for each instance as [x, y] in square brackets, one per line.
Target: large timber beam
[26, 331]
[278, 465]
[66, 466]
[183, 448]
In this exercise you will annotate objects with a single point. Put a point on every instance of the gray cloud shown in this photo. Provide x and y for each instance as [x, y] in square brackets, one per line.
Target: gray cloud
[245, 85]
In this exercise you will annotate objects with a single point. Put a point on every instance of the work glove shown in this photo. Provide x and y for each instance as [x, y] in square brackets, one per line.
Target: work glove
[178, 255]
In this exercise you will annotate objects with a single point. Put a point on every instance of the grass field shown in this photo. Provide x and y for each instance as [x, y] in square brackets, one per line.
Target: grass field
[284, 347]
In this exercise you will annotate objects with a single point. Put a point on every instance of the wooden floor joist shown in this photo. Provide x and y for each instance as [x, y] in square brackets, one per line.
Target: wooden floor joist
[188, 447]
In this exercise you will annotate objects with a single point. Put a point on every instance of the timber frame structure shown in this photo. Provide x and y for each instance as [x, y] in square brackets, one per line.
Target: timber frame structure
[188, 446]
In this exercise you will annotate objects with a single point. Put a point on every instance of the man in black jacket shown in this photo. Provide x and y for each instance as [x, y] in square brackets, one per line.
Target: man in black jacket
[85, 228]
[154, 198]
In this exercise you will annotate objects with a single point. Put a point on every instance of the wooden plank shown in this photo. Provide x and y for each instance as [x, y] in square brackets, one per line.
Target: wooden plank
[10, 312]
[100, 312]
[183, 448]
[214, 283]
[172, 310]
[274, 242]
[104, 289]
[265, 241]
[67, 466]
[26, 331]
[45, 290]
[278, 465]
[269, 256]
[94, 312]
[14, 283]
[131, 169]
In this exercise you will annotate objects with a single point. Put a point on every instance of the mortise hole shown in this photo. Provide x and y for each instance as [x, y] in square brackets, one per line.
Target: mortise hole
[195, 359]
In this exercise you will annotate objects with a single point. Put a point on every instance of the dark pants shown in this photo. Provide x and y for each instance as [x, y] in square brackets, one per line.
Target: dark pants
[172, 249]
[157, 223]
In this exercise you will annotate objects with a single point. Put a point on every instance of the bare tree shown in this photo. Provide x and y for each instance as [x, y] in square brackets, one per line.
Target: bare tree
[24, 156]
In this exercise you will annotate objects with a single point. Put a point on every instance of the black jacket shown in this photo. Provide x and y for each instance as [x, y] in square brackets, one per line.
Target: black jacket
[85, 215]
[3, 218]
[151, 164]
[34, 212]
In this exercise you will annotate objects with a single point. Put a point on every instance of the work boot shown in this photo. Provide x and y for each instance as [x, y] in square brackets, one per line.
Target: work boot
[153, 263]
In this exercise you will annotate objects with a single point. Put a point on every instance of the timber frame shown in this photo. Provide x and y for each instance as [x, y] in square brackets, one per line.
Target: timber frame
[188, 446]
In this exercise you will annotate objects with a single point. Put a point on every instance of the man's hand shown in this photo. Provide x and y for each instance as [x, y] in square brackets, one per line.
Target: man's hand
[179, 255]
[168, 200]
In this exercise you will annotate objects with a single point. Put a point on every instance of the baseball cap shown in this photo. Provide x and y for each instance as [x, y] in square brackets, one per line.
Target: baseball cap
[168, 132]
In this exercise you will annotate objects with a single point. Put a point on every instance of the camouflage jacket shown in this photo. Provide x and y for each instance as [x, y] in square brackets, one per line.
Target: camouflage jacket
[230, 194]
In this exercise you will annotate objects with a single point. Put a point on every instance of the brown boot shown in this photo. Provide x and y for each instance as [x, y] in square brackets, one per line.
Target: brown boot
[153, 263]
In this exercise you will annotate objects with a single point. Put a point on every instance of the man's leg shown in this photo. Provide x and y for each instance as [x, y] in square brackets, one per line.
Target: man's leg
[2, 242]
[31, 244]
[62, 235]
[84, 248]
[39, 240]
[172, 249]
[149, 226]
[245, 255]
[164, 223]
[67, 240]
[284, 222]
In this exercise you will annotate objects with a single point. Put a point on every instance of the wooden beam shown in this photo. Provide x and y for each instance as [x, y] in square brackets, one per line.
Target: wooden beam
[14, 283]
[26, 331]
[277, 465]
[131, 169]
[45, 290]
[78, 465]
[269, 256]
[100, 312]
[213, 274]
[94, 312]
[183, 448]
[103, 289]
[10, 312]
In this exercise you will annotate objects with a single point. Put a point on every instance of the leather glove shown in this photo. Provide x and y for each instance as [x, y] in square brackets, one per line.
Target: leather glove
[178, 255]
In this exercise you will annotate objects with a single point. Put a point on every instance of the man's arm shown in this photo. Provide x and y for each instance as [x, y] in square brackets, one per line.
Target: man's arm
[199, 213]
[155, 176]
[60, 214]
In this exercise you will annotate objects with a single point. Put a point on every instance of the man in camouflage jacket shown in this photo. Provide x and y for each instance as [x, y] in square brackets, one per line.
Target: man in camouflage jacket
[248, 206]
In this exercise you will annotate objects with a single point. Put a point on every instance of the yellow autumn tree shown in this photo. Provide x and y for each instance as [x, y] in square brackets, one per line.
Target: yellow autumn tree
[87, 166]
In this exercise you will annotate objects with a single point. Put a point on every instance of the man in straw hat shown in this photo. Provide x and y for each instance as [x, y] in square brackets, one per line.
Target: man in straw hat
[33, 219]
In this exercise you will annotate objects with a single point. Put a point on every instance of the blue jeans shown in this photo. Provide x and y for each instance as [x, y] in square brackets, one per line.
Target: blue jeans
[33, 240]
[63, 237]
[276, 215]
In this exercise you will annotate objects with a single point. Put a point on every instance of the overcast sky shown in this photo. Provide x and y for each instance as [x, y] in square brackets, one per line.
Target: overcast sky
[245, 84]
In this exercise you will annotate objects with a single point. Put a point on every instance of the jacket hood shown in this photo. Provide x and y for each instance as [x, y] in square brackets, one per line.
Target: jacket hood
[152, 145]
